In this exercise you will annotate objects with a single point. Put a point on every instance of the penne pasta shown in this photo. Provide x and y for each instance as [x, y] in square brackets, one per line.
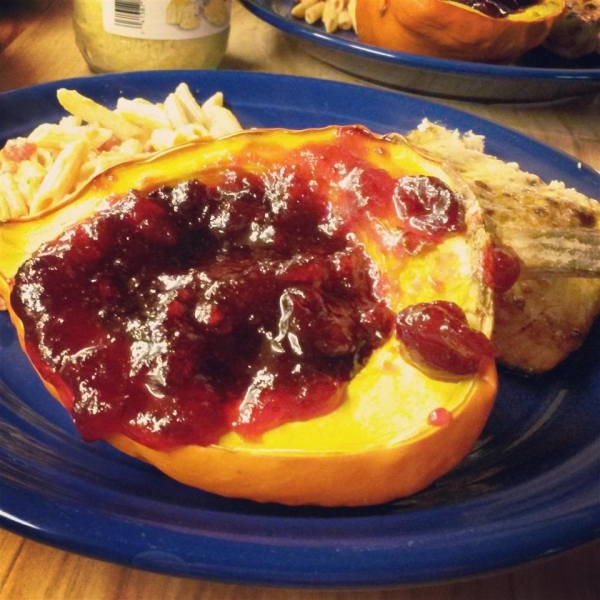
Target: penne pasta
[56, 159]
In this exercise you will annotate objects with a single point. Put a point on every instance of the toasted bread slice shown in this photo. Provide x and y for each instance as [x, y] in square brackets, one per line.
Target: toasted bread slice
[539, 321]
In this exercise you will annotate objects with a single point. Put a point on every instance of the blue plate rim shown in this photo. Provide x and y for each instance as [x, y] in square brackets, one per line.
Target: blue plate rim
[386, 559]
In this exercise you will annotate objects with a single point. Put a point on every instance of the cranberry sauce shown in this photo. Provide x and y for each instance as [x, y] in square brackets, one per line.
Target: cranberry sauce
[498, 8]
[177, 315]
[436, 337]
[501, 268]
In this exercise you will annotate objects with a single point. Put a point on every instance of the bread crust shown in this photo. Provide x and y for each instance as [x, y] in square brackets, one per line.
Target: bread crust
[539, 321]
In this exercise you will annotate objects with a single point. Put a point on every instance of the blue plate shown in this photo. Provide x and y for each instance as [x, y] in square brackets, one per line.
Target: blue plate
[538, 76]
[530, 489]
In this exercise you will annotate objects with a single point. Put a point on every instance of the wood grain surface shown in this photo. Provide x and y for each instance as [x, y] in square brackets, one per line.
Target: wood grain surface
[37, 45]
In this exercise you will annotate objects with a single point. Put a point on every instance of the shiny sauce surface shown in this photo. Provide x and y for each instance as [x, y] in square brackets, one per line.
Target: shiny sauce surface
[177, 315]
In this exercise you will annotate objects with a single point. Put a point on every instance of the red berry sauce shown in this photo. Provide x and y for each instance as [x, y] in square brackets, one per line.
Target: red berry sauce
[177, 315]
[436, 337]
[498, 9]
[439, 417]
[501, 268]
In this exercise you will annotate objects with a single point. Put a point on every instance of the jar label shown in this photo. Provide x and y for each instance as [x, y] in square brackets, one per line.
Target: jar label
[165, 19]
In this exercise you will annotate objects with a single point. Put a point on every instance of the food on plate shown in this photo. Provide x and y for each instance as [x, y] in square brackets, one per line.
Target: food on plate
[306, 336]
[540, 319]
[549, 316]
[472, 30]
[290, 316]
[334, 14]
[578, 33]
[55, 160]
[447, 29]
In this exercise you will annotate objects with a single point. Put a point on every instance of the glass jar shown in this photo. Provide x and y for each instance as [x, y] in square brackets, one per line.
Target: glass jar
[131, 35]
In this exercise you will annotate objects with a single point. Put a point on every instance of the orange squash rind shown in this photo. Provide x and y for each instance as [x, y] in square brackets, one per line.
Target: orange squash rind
[446, 29]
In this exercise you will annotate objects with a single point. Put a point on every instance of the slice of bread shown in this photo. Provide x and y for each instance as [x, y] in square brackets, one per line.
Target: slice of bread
[539, 321]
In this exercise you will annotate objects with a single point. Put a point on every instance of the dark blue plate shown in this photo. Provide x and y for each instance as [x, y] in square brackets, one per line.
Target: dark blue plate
[538, 76]
[530, 489]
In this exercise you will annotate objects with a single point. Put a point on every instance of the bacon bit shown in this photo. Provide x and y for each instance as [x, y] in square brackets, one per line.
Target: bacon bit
[109, 144]
[18, 150]
[439, 417]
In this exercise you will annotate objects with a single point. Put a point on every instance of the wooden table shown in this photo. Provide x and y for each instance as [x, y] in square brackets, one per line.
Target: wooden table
[38, 45]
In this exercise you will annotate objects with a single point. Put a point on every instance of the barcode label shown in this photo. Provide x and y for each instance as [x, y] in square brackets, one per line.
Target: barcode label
[164, 19]
[129, 14]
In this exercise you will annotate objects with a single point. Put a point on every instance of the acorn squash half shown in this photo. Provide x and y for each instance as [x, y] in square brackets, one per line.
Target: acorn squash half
[446, 29]
[395, 427]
